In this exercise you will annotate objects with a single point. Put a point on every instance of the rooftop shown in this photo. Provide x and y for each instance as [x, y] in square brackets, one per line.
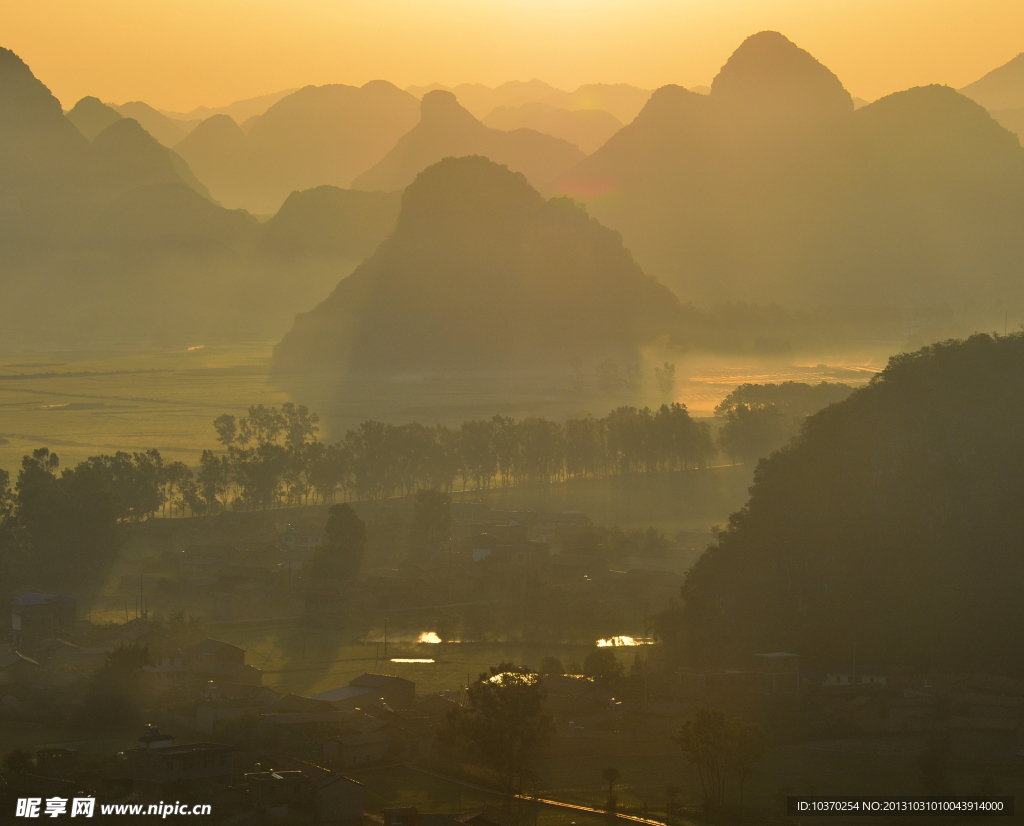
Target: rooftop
[39, 599]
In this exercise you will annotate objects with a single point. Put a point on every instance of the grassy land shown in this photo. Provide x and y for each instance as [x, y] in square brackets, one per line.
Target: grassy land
[86, 402]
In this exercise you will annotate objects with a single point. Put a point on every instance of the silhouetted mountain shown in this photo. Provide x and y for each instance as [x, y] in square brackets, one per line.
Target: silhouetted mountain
[1012, 119]
[239, 111]
[126, 156]
[586, 128]
[620, 99]
[772, 188]
[161, 127]
[39, 146]
[174, 213]
[318, 135]
[480, 100]
[116, 241]
[481, 273]
[327, 221]
[91, 116]
[888, 532]
[446, 129]
[219, 153]
[1002, 88]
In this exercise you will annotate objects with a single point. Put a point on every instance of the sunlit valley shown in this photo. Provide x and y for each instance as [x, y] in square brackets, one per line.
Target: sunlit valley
[425, 454]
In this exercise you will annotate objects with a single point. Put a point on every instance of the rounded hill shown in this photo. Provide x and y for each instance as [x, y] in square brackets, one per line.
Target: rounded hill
[887, 533]
[481, 273]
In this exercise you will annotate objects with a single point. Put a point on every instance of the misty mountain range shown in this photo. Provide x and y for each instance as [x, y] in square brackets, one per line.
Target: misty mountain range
[620, 100]
[774, 188]
[1001, 91]
[770, 188]
[318, 135]
[254, 152]
[448, 130]
[115, 240]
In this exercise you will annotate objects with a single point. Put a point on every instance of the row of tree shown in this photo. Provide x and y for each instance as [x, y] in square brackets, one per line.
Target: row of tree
[272, 457]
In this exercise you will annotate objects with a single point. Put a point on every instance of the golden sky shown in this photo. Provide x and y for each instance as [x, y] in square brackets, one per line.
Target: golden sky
[178, 54]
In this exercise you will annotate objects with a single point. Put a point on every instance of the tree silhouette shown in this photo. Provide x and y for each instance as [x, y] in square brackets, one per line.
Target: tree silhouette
[341, 557]
[504, 725]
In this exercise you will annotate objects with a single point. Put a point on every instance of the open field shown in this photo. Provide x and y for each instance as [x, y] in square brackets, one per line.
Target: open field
[83, 403]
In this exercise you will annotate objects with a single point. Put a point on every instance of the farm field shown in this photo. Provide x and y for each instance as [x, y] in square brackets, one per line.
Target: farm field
[83, 403]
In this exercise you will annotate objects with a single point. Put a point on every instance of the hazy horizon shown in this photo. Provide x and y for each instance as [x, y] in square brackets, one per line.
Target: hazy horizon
[661, 363]
[120, 53]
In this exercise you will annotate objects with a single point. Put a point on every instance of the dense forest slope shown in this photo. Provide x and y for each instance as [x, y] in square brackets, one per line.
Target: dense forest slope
[482, 273]
[773, 188]
[889, 532]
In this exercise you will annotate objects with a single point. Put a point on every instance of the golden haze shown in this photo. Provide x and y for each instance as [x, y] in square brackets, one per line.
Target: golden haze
[210, 52]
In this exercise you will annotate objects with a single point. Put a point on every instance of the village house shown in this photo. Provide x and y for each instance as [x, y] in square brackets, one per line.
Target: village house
[373, 689]
[210, 660]
[158, 768]
[17, 669]
[322, 796]
[36, 618]
[303, 540]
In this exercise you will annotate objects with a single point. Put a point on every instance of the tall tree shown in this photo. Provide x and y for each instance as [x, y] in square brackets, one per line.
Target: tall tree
[70, 521]
[341, 557]
[752, 431]
[504, 725]
[706, 741]
[213, 479]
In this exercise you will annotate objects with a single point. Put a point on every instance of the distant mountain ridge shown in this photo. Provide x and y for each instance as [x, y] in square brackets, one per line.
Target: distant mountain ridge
[773, 188]
[319, 135]
[169, 132]
[238, 111]
[621, 100]
[91, 116]
[586, 128]
[1001, 91]
[446, 129]
[115, 240]
[1002, 88]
